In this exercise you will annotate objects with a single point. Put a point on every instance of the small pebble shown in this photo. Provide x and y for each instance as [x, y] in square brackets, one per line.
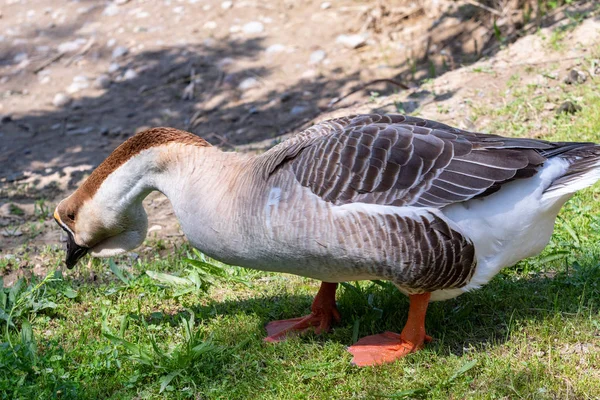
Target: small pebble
[317, 56]
[352, 41]
[119, 52]
[253, 27]
[67, 47]
[275, 48]
[79, 82]
[130, 74]
[61, 99]
[248, 83]
[297, 110]
[325, 5]
[111, 10]
[102, 82]
[210, 25]
[575, 77]
[20, 57]
[309, 74]
[226, 5]
[113, 67]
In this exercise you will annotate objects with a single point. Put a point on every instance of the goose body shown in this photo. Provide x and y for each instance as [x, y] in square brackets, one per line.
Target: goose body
[436, 210]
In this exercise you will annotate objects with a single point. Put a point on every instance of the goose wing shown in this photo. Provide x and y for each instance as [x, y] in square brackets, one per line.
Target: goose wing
[402, 161]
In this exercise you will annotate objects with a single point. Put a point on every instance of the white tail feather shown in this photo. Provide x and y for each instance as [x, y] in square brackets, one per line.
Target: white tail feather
[574, 184]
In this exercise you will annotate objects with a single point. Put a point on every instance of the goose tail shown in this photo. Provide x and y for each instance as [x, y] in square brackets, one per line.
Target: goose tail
[583, 169]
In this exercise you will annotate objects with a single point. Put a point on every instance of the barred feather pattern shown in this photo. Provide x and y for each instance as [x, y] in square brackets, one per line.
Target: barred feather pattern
[399, 160]
[419, 253]
[407, 163]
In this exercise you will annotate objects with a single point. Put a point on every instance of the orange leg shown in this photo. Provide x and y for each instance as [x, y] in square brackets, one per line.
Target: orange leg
[323, 311]
[388, 346]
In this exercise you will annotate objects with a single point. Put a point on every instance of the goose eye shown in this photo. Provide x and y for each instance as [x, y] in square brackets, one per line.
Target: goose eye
[71, 216]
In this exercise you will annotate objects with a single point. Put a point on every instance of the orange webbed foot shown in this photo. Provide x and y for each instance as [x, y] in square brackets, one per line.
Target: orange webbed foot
[280, 330]
[383, 348]
[388, 346]
[324, 312]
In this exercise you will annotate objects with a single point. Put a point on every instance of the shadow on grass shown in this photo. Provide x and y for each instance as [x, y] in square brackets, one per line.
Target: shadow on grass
[478, 319]
[90, 127]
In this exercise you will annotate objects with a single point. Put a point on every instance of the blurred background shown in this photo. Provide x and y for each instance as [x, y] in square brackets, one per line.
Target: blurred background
[77, 78]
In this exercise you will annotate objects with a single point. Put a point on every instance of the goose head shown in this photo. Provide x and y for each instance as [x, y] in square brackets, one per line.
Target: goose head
[101, 223]
[104, 217]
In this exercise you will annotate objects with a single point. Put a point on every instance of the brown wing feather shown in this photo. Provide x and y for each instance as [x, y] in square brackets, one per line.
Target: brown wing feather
[399, 160]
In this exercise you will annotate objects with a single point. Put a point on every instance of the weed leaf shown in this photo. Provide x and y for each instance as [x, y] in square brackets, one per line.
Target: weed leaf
[165, 380]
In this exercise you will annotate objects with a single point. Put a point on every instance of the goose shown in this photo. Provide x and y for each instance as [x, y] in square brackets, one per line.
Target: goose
[436, 210]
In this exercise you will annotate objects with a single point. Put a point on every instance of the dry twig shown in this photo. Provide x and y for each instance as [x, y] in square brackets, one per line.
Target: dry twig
[48, 62]
[81, 52]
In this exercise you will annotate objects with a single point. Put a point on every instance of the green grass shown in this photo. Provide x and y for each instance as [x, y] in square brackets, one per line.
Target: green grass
[533, 332]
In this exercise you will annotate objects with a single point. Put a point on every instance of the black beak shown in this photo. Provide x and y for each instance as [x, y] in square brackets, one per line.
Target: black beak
[74, 252]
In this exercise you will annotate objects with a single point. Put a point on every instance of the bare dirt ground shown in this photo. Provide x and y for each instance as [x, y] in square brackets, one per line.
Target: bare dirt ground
[79, 77]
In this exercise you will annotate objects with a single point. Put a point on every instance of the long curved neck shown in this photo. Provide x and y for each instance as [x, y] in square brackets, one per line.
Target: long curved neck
[209, 191]
[197, 177]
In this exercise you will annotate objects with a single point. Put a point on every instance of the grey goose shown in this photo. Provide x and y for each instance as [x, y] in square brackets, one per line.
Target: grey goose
[435, 210]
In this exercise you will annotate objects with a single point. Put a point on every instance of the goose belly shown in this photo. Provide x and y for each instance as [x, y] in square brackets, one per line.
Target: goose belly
[510, 225]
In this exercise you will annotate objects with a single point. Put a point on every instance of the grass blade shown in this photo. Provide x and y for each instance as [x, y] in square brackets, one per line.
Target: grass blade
[462, 370]
[137, 353]
[355, 328]
[169, 279]
[409, 393]
[555, 255]
[571, 232]
[118, 272]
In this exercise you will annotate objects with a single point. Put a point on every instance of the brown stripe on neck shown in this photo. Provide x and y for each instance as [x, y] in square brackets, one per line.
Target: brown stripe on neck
[133, 146]
[128, 149]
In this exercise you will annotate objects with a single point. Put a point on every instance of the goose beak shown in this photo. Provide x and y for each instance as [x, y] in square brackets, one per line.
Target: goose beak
[74, 251]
